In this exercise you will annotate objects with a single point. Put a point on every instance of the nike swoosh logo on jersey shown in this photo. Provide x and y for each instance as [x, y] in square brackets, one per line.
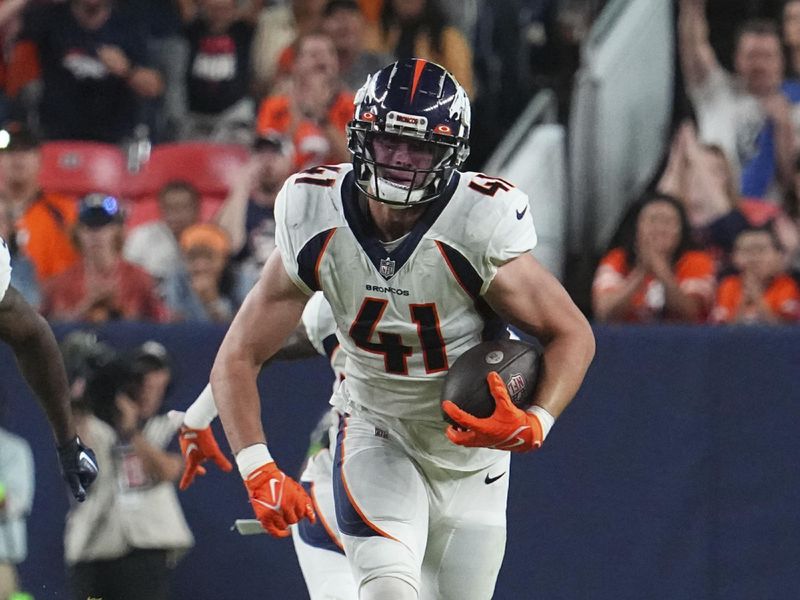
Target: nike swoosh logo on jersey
[522, 213]
[490, 480]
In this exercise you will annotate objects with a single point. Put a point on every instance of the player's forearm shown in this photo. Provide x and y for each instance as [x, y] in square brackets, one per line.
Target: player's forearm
[40, 363]
[566, 359]
[233, 383]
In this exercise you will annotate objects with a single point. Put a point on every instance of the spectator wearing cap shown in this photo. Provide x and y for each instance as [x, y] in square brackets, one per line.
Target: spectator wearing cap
[218, 74]
[94, 69]
[344, 22]
[248, 213]
[154, 246]
[316, 107]
[203, 290]
[102, 286]
[42, 221]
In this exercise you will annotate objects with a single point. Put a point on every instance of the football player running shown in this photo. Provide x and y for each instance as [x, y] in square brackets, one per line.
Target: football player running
[40, 362]
[318, 545]
[419, 262]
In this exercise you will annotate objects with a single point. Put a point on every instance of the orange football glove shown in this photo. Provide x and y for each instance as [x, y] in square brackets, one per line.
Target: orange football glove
[277, 500]
[508, 428]
[197, 446]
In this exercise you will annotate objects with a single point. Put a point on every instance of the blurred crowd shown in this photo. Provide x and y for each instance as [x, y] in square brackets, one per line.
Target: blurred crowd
[715, 240]
[269, 83]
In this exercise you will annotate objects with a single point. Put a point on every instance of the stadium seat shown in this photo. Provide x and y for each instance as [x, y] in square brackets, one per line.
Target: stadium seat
[77, 168]
[209, 167]
[145, 209]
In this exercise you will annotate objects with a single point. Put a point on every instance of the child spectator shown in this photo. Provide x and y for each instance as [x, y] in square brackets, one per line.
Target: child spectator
[202, 290]
[101, 286]
[42, 220]
[154, 246]
[316, 108]
[761, 291]
[654, 275]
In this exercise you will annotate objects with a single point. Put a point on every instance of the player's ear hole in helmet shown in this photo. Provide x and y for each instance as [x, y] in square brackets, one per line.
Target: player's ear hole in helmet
[409, 133]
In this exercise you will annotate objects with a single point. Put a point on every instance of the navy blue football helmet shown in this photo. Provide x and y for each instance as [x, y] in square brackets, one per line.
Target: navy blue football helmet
[417, 102]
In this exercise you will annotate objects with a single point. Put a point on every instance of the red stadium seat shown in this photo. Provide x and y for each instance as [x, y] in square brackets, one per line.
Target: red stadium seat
[211, 168]
[77, 168]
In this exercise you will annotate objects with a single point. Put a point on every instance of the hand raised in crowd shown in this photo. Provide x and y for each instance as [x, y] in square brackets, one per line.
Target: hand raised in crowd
[115, 60]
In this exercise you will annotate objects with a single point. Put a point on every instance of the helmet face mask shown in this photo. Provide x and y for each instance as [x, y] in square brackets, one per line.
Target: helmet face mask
[409, 133]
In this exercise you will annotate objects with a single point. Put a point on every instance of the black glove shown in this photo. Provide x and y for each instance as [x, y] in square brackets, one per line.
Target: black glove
[79, 467]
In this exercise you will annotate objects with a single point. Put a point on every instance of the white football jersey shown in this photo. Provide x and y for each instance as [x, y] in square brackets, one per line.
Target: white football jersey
[404, 314]
[5, 268]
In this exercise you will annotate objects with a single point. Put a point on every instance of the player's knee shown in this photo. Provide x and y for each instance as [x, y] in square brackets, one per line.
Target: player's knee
[387, 588]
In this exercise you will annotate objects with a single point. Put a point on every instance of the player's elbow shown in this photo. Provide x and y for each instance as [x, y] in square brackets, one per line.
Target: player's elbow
[585, 344]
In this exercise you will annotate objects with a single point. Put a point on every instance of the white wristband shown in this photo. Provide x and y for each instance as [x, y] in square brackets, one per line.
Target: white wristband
[545, 419]
[251, 458]
[202, 411]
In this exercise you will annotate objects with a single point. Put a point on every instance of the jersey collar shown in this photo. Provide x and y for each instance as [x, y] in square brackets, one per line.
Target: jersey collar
[385, 262]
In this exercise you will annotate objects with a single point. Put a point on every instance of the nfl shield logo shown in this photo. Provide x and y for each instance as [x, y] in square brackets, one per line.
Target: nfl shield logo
[387, 267]
[516, 385]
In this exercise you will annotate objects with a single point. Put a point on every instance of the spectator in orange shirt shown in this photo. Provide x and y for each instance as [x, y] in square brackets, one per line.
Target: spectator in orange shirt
[101, 286]
[761, 291]
[43, 221]
[654, 275]
[315, 109]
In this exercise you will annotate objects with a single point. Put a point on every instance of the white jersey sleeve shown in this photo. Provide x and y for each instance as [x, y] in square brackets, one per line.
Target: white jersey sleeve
[488, 223]
[5, 268]
[306, 216]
